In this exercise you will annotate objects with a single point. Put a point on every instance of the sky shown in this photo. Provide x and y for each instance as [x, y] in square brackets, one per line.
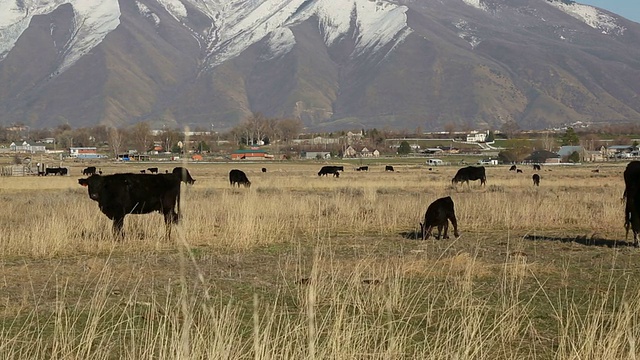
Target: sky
[629, 9]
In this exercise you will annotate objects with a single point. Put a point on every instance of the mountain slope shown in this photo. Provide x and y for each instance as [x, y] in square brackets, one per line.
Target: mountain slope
[355, 63]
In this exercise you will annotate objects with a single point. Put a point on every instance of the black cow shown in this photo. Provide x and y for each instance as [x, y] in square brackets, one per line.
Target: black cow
[264, 170]
[518, 171]
[512, 168]
[536, 167]
[239, 177]
[56, 171]
[121, 194]
[439, 213]
[468, 173]
[632, 197]
[362, 168]
[143, 171]
[536, 179]
[89, 171]
[186, 177]
[330, 169]
[153, 170]
[388, 168]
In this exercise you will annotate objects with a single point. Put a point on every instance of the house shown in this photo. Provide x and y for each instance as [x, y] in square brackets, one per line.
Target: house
[365, 152]
[543, 157]
[621, 151]
[315, 155]
[376, 153]
[250, 154]
[84, 152]
[488, 162]
[27, 147]
[349, 152]
[477, 136]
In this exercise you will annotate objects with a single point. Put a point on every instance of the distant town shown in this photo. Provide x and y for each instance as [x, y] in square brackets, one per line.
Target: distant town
[261, 139]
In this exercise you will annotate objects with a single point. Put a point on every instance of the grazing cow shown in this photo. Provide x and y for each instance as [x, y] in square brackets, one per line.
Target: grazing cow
[388, 168]
[632, 197]
[185, 176]
[536, 179]
[89, 171]
[143, 171]
[264, 169]
[330, 169]
[362, 168]
[536, 167]
[512, 168]
[121, 194]
[56, 171]
[470, 173]
[439, 213]
[153, 170]
[595, 171]
[518, 171]
[239, 177]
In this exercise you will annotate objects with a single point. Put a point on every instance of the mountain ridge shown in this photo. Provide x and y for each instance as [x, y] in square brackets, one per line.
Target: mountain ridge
[359, 63]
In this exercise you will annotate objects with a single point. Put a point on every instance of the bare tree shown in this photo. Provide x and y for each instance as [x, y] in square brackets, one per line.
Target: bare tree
[115, 140]
[289, 128]
[141, 136]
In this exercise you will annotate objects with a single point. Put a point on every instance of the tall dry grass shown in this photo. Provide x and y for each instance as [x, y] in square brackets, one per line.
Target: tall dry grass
[445, 305]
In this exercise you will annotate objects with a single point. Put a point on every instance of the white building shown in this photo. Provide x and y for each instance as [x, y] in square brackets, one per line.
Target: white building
[477, 136]
[27, 147]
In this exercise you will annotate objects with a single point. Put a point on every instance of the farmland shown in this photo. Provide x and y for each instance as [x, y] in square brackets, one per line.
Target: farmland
[301, 266]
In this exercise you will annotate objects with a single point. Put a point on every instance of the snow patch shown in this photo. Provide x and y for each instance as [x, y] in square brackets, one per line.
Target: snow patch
[468, 33]
[280, 42]
[93, 20]
[477, 4]
[592, 17]
[145, 11]
[175, 8]
[237, 24]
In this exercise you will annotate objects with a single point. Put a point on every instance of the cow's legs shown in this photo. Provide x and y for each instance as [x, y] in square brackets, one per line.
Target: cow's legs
[446, 229]
[170, 217]
[118, 226]
[439, 232]
[454, 222]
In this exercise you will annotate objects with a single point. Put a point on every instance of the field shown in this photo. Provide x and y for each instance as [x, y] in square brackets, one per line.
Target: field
[301, 266]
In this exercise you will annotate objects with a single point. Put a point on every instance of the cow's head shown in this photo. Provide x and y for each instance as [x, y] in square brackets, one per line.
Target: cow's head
[94, 184]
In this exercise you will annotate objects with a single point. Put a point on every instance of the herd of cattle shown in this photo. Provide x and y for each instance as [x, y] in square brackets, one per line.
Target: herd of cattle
[121, 194]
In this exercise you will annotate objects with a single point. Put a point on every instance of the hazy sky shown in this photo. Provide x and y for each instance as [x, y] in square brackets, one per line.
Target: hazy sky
[629, 9]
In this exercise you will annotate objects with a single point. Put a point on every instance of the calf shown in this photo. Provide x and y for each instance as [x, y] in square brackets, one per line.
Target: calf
[519, 171]
[439, 213]
[512, 168]
[184, 175]
[362, 168]
[239, 177]
[330, 169]
[536, 179]
[56, 171]
[536, 167]
[89, 171]
[388, 168]
[264, 170]
[153, 170]
[121, 194]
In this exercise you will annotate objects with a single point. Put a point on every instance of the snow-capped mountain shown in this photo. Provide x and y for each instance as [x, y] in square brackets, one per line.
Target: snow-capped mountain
[334, 64]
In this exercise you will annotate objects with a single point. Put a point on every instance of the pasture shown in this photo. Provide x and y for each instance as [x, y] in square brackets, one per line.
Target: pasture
[302, 266]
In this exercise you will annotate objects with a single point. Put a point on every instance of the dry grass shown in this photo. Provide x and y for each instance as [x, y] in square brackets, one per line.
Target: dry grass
[301, 266]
